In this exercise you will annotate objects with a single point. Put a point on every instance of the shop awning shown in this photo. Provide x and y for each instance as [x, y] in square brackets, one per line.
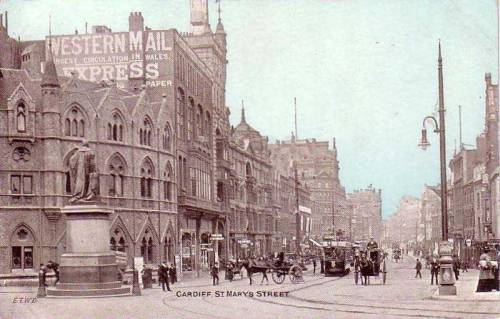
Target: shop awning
[315, 242]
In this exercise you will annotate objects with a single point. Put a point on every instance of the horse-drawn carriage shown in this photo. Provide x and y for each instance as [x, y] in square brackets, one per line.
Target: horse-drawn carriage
[279, 269]
[396, 254]
[370, 263]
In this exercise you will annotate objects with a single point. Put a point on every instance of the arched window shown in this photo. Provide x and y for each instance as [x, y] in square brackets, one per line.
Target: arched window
[181, 109]
[147, 173]
[145, 132]
[115, 129]
[74, 124]
[168, 183]
[21, 117]
[208, 126]
[117, 241]
[74, 128]
[110, 131]
[147, 248]
[116, 172]
[23, 244]
[67, 127]
[167, 138]
[190, 119]
[150, 250]
[199, 121]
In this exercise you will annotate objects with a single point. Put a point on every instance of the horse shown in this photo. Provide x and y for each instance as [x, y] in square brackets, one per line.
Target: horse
[254, 268]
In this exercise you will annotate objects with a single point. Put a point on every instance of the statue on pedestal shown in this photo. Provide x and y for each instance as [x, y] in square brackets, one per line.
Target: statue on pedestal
[83, 175]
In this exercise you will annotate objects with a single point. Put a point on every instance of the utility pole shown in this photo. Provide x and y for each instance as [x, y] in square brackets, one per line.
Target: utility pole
[297, 211]
[460, 126]
[442, 150]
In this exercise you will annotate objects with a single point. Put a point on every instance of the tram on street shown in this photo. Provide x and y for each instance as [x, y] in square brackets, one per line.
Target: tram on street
[339, 257]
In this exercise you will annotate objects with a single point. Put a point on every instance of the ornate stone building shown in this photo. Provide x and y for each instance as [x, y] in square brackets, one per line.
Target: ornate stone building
[318, 170]
[43, 121]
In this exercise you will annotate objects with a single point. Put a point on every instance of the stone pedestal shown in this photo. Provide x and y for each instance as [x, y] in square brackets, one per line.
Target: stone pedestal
[89, 267]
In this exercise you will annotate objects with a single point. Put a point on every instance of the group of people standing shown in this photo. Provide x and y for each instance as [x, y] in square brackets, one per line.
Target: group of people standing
[434, 267]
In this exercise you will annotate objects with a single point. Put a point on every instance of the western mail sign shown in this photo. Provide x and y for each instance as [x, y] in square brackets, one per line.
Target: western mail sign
[118, 56]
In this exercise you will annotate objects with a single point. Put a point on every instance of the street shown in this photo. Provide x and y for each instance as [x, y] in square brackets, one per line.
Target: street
[402, 297]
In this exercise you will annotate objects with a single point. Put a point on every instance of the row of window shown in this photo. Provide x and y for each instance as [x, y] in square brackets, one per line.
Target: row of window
[192, 121]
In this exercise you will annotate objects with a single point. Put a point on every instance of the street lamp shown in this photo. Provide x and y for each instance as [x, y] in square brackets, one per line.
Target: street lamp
[447, 282]
[424, 143]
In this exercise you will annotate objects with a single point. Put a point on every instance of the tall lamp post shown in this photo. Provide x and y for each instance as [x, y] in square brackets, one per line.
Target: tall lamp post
[447, 282]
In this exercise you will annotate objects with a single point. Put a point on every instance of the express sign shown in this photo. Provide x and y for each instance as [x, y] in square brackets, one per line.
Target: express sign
[118, 56]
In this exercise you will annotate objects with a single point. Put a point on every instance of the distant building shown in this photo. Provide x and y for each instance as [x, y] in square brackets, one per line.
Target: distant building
[366, 213]
[402, 226]
[318, 170]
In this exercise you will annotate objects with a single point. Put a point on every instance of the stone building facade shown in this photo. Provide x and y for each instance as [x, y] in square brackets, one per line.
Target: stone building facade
[318, 170]
[366, 214]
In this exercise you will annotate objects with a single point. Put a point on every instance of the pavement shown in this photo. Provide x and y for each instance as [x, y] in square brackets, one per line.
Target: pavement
[402, 296]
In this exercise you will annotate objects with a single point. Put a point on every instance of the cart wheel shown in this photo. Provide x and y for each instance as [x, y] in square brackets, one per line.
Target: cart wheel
[293, 279]
[356, 274]
[278, 276]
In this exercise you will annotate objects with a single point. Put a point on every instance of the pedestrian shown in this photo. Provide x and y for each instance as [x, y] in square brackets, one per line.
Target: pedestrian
[172, 273]
[486, 280]
[55, 267]
[229, 271]
[418, 267]
[43, 268]
[163, 276]
[322, 264]
[264, 276]
[464, 266]
[456, 266]
[214, 271]
[434, 271]
[314, 265]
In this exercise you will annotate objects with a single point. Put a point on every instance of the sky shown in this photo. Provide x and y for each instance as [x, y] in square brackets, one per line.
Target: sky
[363, 71]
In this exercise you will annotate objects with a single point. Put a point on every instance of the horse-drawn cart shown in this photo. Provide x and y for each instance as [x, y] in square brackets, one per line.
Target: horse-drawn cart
[371, 263]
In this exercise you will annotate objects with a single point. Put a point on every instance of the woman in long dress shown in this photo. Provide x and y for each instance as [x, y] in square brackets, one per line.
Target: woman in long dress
[486, 272]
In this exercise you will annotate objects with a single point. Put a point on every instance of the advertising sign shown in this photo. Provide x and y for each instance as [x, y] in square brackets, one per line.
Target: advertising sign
[139, 266]
[216, 237]
[118, 56]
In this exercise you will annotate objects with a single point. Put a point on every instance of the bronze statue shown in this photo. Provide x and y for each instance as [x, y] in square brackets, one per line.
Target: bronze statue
[83, 175]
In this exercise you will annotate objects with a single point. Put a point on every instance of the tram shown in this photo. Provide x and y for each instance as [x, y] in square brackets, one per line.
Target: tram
[339, 257]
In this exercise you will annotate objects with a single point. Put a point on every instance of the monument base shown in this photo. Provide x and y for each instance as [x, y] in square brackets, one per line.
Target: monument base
[448, 290]
[89, 269]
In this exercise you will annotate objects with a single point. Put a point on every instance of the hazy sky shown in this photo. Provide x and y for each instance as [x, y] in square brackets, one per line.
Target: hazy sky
[363, 71]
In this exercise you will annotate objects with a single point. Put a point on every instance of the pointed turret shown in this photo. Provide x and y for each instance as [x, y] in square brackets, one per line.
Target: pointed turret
[49, 78]
[243, 120]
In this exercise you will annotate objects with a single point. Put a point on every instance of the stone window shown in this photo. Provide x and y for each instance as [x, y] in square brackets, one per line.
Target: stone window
[145, 132]
[21, 117]
[116, 172]
[181, 109]
[168, 183]
[74, 124]
[167, 138]
[199, 121]
[146, 180]
[115, 129]
[21, 184]
[22, 243]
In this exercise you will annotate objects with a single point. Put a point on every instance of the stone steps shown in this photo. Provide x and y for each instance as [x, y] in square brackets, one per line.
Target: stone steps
[108, 292]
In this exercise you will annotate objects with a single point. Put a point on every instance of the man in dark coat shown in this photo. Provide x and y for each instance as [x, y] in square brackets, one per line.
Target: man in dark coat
[163, 276]
[456, 266]
[418, 267]
[214, 271]
[314, 265]
[434, 271]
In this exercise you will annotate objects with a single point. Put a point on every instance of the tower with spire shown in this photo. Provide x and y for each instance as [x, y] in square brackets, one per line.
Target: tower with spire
[51, 118]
